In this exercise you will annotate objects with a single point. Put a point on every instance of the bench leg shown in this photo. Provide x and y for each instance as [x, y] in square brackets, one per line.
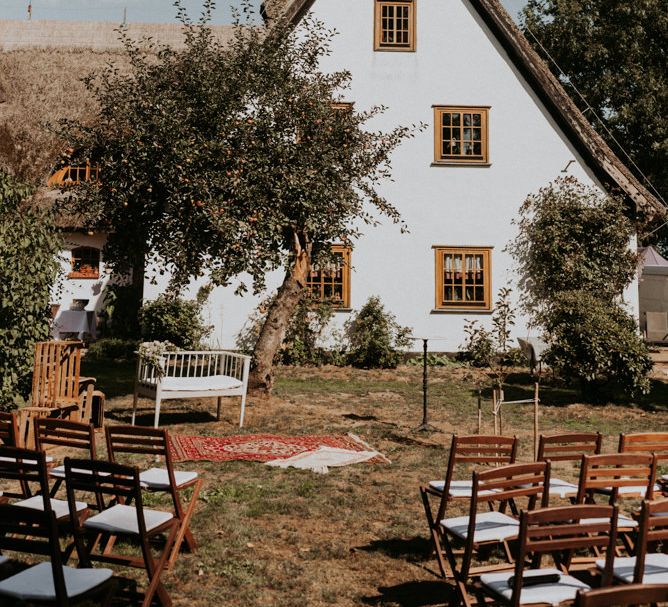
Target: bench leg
[220, 402]
[157, 413]
[134, 407]
[243, 410]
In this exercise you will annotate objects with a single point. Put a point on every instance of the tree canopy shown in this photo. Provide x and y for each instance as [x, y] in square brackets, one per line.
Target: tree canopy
[223, 159]
[614, 53]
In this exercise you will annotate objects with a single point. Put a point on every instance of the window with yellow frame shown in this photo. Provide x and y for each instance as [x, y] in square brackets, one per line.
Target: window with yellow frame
[331, 282]
[463, 278]
[394, 25]
[461, 135]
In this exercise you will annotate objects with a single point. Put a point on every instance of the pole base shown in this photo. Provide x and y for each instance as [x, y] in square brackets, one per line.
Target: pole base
[425, 427]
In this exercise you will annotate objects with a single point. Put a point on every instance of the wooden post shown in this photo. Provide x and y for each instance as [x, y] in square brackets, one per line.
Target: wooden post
[495, 412]
[479, 410]
[535, 420]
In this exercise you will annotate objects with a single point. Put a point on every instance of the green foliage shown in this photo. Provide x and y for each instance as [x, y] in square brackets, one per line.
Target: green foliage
[596, 343]
[112, 348]
[121, 311]
[374, 337]
[573, 253]
[433, 360]
[305, 338]
[572, 237]
[29, 247]
[614, 52]
[173, 319]
[478, 347]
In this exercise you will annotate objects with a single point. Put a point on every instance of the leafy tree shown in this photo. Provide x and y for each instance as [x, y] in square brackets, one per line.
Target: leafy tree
[614, 52]
[574, 260]
[29, 247]
[223, 159]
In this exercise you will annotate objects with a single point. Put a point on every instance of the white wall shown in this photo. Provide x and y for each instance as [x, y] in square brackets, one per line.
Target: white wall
[457, 62]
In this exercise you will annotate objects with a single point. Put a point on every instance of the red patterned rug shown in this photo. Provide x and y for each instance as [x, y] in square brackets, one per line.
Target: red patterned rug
[260, 447]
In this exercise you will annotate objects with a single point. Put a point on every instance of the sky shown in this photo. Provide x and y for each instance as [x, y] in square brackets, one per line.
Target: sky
[150, 11]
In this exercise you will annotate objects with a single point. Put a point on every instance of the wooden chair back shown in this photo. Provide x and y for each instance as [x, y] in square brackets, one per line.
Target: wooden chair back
[653, 529]
[508, 483]
[55, 380]
[568, 447]
[28, 469]
[30, 531]
[9, 430]
[614, 472]
[560, 532]
[645, 442]
[624, 596]
[65, 433]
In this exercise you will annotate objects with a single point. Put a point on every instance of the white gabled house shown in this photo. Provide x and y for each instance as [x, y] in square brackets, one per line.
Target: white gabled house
[500, 127]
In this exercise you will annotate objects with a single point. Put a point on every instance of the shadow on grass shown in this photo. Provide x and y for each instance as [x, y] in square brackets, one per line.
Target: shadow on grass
[413, 594]
[414, 549]
[145, 418]
[114, 378]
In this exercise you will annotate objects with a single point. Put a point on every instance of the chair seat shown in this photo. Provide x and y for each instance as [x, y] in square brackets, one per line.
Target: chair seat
[3, 559]
[457, 488]
[123, 519]
[489, 527]
[552, 593]
[31, 462]
[158, 478]
[623, 521]
[562, 488]
[639, 490]
[656, 568]
[59, 472]
[36, 583]
[59, 507]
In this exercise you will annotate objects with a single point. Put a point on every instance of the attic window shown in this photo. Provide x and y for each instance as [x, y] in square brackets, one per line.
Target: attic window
[85, 263]
[74, 174]
[461, 135]
[394, 25]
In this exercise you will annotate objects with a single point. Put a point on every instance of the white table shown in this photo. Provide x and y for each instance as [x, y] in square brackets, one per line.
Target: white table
[81, 322]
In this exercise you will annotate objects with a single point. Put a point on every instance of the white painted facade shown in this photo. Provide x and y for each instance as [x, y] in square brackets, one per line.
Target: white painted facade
[457, 62]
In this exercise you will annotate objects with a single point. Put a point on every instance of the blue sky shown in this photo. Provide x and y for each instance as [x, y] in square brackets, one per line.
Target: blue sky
[152, 11]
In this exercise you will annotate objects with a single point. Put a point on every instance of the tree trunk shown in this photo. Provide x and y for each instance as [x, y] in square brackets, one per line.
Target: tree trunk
[271, 337]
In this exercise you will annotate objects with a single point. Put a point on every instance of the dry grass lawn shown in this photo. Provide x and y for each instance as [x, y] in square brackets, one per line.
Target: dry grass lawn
[356, 536]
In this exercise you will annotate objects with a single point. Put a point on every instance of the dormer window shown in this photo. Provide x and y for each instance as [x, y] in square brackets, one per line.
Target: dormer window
[73, 174]
[85, 263]
[394, 25]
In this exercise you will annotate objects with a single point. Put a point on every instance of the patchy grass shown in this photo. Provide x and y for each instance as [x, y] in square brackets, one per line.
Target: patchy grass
[356, 536]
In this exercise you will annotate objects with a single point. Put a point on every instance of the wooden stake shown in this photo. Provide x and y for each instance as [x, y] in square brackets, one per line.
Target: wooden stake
[535, 420]
[479, 411]
[495, 412]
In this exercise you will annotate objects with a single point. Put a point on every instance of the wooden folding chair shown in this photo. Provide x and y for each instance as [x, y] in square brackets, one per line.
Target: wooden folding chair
[118, 486]
[28, 469]
[558, 532]
[618, 476]
[36, 533]
[646, 567]
[478, 450]
[624, 596]
[568, 447]
[155, 442]
[648, 442]
[9, 430]
[64, 433]
[504, 485]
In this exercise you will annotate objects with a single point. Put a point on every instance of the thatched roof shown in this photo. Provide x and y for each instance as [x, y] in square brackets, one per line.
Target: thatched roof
[596, 152]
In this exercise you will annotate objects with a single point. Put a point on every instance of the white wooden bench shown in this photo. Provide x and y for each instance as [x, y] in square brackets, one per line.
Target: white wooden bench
[193, 374]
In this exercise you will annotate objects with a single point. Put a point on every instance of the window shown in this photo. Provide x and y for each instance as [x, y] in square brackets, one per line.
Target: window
[85, 263]
[332, 282]
[463, 278]
[394, 25]
[75, 173]
[460, 135]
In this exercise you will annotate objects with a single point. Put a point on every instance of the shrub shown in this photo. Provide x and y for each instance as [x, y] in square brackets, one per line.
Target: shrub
[596, 343]
[170, 318]
[112, 348]
[121, 310]
[374, 337]
[29, 246]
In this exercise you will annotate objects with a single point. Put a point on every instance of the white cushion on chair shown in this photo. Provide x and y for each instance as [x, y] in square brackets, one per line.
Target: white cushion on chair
[158, 478]
[656, 568]
[59, 472]
[3, 559]
[623, 522]
[639, 490]
[123, 519]
[562, 488]
[31, 462]
[212, 382]
[59, 507]
[457, 488]
[489, 526]
[36, 583]
[551, 593]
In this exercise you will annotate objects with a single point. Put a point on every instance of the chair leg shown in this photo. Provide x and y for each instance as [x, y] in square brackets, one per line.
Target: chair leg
[134, 407]
[433, 531]
[154, 570]
[184, 527]
[156, 419]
